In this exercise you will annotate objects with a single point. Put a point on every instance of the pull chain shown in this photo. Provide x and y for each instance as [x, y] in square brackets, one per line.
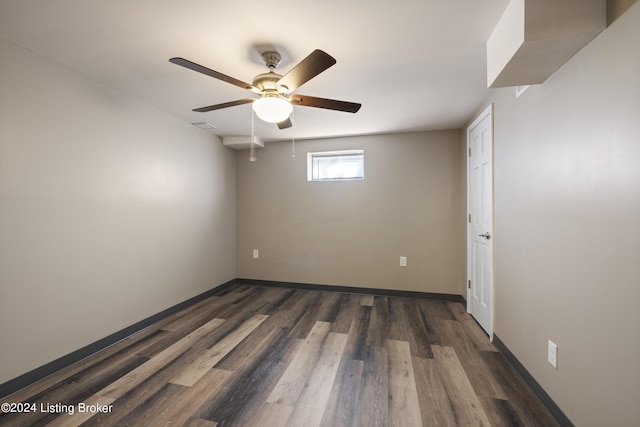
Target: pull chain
[293, 141]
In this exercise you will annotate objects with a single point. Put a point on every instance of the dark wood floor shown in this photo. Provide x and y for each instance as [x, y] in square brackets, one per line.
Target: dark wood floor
[258, 356]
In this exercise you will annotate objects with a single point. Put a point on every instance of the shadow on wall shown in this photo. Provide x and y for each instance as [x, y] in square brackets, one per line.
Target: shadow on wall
[615, 9]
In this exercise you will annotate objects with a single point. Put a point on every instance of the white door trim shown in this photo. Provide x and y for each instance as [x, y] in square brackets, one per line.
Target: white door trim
[488, 112]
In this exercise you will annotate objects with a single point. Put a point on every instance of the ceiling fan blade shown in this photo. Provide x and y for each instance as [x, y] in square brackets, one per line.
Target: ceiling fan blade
[308, 68]
[329, 104]
[285, 124]
[211, 73]
[224, 105]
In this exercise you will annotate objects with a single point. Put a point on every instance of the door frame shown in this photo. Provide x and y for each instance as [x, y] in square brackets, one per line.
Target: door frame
[487, 112]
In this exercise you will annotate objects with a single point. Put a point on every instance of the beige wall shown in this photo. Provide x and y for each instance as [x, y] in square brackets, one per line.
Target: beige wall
[110, 211]
[352, 233]
[567, 227]
[616, 8]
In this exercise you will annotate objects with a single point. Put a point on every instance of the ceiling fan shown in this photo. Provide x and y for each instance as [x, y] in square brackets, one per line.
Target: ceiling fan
[277, 97]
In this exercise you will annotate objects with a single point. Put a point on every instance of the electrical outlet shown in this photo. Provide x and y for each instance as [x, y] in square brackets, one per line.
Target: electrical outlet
[256, 254]
[403, 261]
[552, 354]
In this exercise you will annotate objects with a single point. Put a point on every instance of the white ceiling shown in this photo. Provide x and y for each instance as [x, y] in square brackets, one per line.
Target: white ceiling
[413, 64]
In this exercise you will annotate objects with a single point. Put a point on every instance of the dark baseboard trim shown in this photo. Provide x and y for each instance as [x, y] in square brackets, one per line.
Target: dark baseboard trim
[50, 368]
[354, 290]
[537, 389]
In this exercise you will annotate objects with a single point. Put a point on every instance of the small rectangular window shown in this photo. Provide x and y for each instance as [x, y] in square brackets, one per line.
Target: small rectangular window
[335, 165]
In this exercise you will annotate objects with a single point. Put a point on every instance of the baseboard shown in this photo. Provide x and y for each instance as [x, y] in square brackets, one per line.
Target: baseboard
[50, 368]
[537, 389]
[354, 290]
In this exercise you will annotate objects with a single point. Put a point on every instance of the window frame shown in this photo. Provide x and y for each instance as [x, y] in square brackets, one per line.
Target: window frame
[336, 153]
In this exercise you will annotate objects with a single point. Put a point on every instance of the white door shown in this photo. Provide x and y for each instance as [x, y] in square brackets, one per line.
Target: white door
[480, 220]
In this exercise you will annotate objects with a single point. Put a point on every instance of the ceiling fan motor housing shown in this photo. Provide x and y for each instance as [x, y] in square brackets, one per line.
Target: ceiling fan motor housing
[267, 82]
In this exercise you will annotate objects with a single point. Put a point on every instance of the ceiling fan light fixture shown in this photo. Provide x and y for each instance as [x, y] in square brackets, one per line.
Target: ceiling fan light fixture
[272, 109]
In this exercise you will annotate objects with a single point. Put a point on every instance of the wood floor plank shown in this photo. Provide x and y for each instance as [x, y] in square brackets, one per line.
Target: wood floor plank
[135, 377]
[252, 302]
[479, 338]
[230, 326]
[366, 300]
[466, 406]
[520, 397]
[323, 307]
[292, 309]
[163, 339]
[416, 331]
[208, 359]
[263, 300]
[203, 310]
[435, 407]
[404, 405]
[282, 320]
[330, 307]
[299, 298]
[275, 298]
[373, 407]
[500, 412]
[180, 410]
[179, 320]
[143, 394]
[398, 323]
[199, 422]
[357, 335]
[247, 388]
[435, 313]
[348, 307]
[300, 303]
[343, 400]
[288, 389]
[377, 333]
[152, 411]
[269, 415]
[236, 294]
[78, 417]
[310, 407]
[192, 339]
[75, 388]
[483, 382]
[436, 309]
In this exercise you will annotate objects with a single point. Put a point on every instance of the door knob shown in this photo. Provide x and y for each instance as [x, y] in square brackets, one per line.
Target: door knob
[485, 235]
